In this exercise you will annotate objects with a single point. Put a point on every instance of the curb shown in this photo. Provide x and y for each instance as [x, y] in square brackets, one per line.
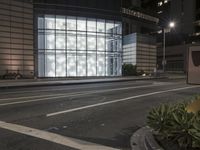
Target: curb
[76, 82]
[143, 139]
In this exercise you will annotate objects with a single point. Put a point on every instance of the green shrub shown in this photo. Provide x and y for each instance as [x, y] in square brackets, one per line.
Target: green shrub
[159, 119]
[173, 122]
[129, 70]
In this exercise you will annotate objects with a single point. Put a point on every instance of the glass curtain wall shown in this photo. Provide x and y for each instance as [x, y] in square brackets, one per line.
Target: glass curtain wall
[71, 46]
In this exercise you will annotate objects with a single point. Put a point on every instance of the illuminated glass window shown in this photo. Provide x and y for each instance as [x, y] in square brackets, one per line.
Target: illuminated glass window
[91, 41]
[100, 25]
[109, 26]
[40, 23]
[91, 63]
[60, 22]
[81, 64]
[49, 39]
[71, 46]
[91, 25]
[71, 23]
[81, 41]
[81, 24]
[100, 42]
[49, 22]
[60, 40]
[71, 40]
[60, 64]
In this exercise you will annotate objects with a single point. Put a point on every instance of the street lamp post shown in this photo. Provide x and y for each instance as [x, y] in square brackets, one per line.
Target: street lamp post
[164, 61]
[165, 30]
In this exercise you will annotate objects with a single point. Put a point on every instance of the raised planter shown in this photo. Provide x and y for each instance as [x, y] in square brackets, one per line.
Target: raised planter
[143, 139]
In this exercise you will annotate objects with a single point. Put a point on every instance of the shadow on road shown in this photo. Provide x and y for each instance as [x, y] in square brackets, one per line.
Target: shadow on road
[121, 140]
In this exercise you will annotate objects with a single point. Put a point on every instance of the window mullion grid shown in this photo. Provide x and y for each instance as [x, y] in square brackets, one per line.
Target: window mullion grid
[86, 47]
[96, 46]
[45, 50]
[76, 49]
[105, 55]
[65, 46]
[55, 32]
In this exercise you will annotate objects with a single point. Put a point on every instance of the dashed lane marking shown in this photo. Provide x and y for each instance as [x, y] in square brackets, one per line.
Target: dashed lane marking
[92, 91]
[118, 100]
[56, 96]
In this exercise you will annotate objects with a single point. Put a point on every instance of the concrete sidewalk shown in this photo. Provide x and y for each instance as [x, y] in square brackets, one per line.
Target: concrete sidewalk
[72, 81]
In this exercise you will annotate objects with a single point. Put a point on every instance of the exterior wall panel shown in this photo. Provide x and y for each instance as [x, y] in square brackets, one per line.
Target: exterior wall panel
[16, 37]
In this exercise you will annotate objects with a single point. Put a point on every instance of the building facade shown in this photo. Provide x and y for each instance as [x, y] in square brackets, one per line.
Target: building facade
[78, 46]
[185, 14]
[137, 19]
[16, 37]
[140, 50]
[60, 38]
[67, 38]
[75, 39]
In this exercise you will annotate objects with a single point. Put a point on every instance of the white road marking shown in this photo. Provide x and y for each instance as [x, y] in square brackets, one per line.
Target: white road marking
[55, 138]
[118, 100]
[55, 96]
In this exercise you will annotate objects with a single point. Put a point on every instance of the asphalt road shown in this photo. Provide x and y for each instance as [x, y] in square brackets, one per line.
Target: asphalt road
[88, 116]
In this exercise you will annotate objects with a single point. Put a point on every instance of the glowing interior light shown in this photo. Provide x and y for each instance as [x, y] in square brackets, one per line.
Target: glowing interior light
[78, 46]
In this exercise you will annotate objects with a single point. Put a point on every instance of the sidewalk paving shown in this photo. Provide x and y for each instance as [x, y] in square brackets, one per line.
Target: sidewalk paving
[71, 81]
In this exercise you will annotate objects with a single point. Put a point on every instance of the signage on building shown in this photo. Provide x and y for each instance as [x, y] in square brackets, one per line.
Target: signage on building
[139, 15]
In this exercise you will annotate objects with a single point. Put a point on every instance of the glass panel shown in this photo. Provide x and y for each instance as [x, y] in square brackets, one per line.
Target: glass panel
[119, 44]
[109, 44]
[114, 45]
[101, 69]
[91, 41]
[49, 22]
[40, 22]
[81, 41]
[81, 64]
[71, 23]
[109, 65]
[50, 39]
[41, 40]
[71, 40]
[118, 27]
[41, 65]
[50, 65]
[115, 65]
[60, 22]
[109, 26]
[119, 65]
[101, 42]
[60, 41]
[100, 25]
[71, 64]
[81, 24]
[91, 64]
[91, 25]
[60, 64]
